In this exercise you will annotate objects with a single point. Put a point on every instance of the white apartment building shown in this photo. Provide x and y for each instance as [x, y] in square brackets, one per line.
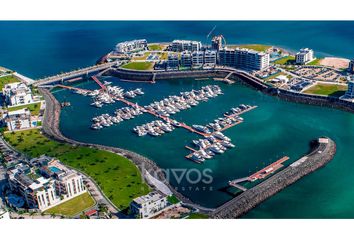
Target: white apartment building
[186, 45]
[130, 46]
[4, 214]
[46, 186]
[19, 119]
[210, 57]
[197, 58]
[186, 59]
[172, 61]
[250, 59]
[17, 94]
[304, 56]
[149, 205]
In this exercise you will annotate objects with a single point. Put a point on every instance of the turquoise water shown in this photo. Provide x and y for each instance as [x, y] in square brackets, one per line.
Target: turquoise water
[274, 129]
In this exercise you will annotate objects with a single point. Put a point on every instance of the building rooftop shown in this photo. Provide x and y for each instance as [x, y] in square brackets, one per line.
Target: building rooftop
[151, 197]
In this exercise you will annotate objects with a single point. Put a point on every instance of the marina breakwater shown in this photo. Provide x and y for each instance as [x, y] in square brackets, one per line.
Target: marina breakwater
[240, 76]
[323, 152]
[148, 168]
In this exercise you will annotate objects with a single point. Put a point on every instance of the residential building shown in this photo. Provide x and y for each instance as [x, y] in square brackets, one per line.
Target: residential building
[226, 57]
[186, 59]
[131, 46]
[172, 61]
[46, 186]
[304, 56]
[17, 94]
[197, 58]
[250, 59]
[4, 214]
[186, 45]
[243, 58]
[19, 119]
[210, 57]
[216, 43]
[149, 205]
[350, 92]
[351, 66]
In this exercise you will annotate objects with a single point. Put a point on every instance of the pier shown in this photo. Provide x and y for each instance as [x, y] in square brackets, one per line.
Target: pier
[263, 173]
[321, 153]
[72, 74]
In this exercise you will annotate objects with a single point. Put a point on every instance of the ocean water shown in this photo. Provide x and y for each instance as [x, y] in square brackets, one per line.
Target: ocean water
[274, 129]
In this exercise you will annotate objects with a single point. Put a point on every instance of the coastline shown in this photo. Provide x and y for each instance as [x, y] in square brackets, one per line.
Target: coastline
[50, 126]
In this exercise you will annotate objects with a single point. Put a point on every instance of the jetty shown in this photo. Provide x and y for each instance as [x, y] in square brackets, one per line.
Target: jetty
[323, 152]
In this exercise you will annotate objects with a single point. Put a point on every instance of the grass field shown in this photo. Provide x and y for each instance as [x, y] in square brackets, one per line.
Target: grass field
[286, 60]
[73, 206]
[144, 57]
[33, 107]
[139, 65]
[197, 216]
[256, 47]
[155, 47]
[315, 62]
[7, 79]
[327, 90]
[118, 178]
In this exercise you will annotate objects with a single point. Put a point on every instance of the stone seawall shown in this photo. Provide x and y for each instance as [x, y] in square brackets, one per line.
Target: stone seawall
[320, 156]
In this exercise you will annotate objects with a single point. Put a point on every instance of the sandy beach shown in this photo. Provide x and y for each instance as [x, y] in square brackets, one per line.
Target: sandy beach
[335, 62]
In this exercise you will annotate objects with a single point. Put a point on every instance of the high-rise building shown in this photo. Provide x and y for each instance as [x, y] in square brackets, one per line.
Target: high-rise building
[216, 42]
[304, 56]
[186, 45]
[350, 91]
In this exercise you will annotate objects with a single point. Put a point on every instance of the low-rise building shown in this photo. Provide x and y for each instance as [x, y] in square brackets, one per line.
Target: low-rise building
[210, 57]
[186, 59]
[17, 94]
[19, 119]
[185, 45]
[45, 186]
[197, 58]
[304, 56]
[172, 61]
[349, 94]
[149, 205]
[131, 46]
[351, 66]
[4, 214]
[226, 57]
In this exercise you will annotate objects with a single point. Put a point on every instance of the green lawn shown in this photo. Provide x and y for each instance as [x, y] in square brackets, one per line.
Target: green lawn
[73, 206]
[256, 47]
[315, 62]
[6, 80]
[173, 199]
[139, 65]
[118, 178]
[286, 60]
[33, 107]
[155, 47]
[197, 216]
[327, 90]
